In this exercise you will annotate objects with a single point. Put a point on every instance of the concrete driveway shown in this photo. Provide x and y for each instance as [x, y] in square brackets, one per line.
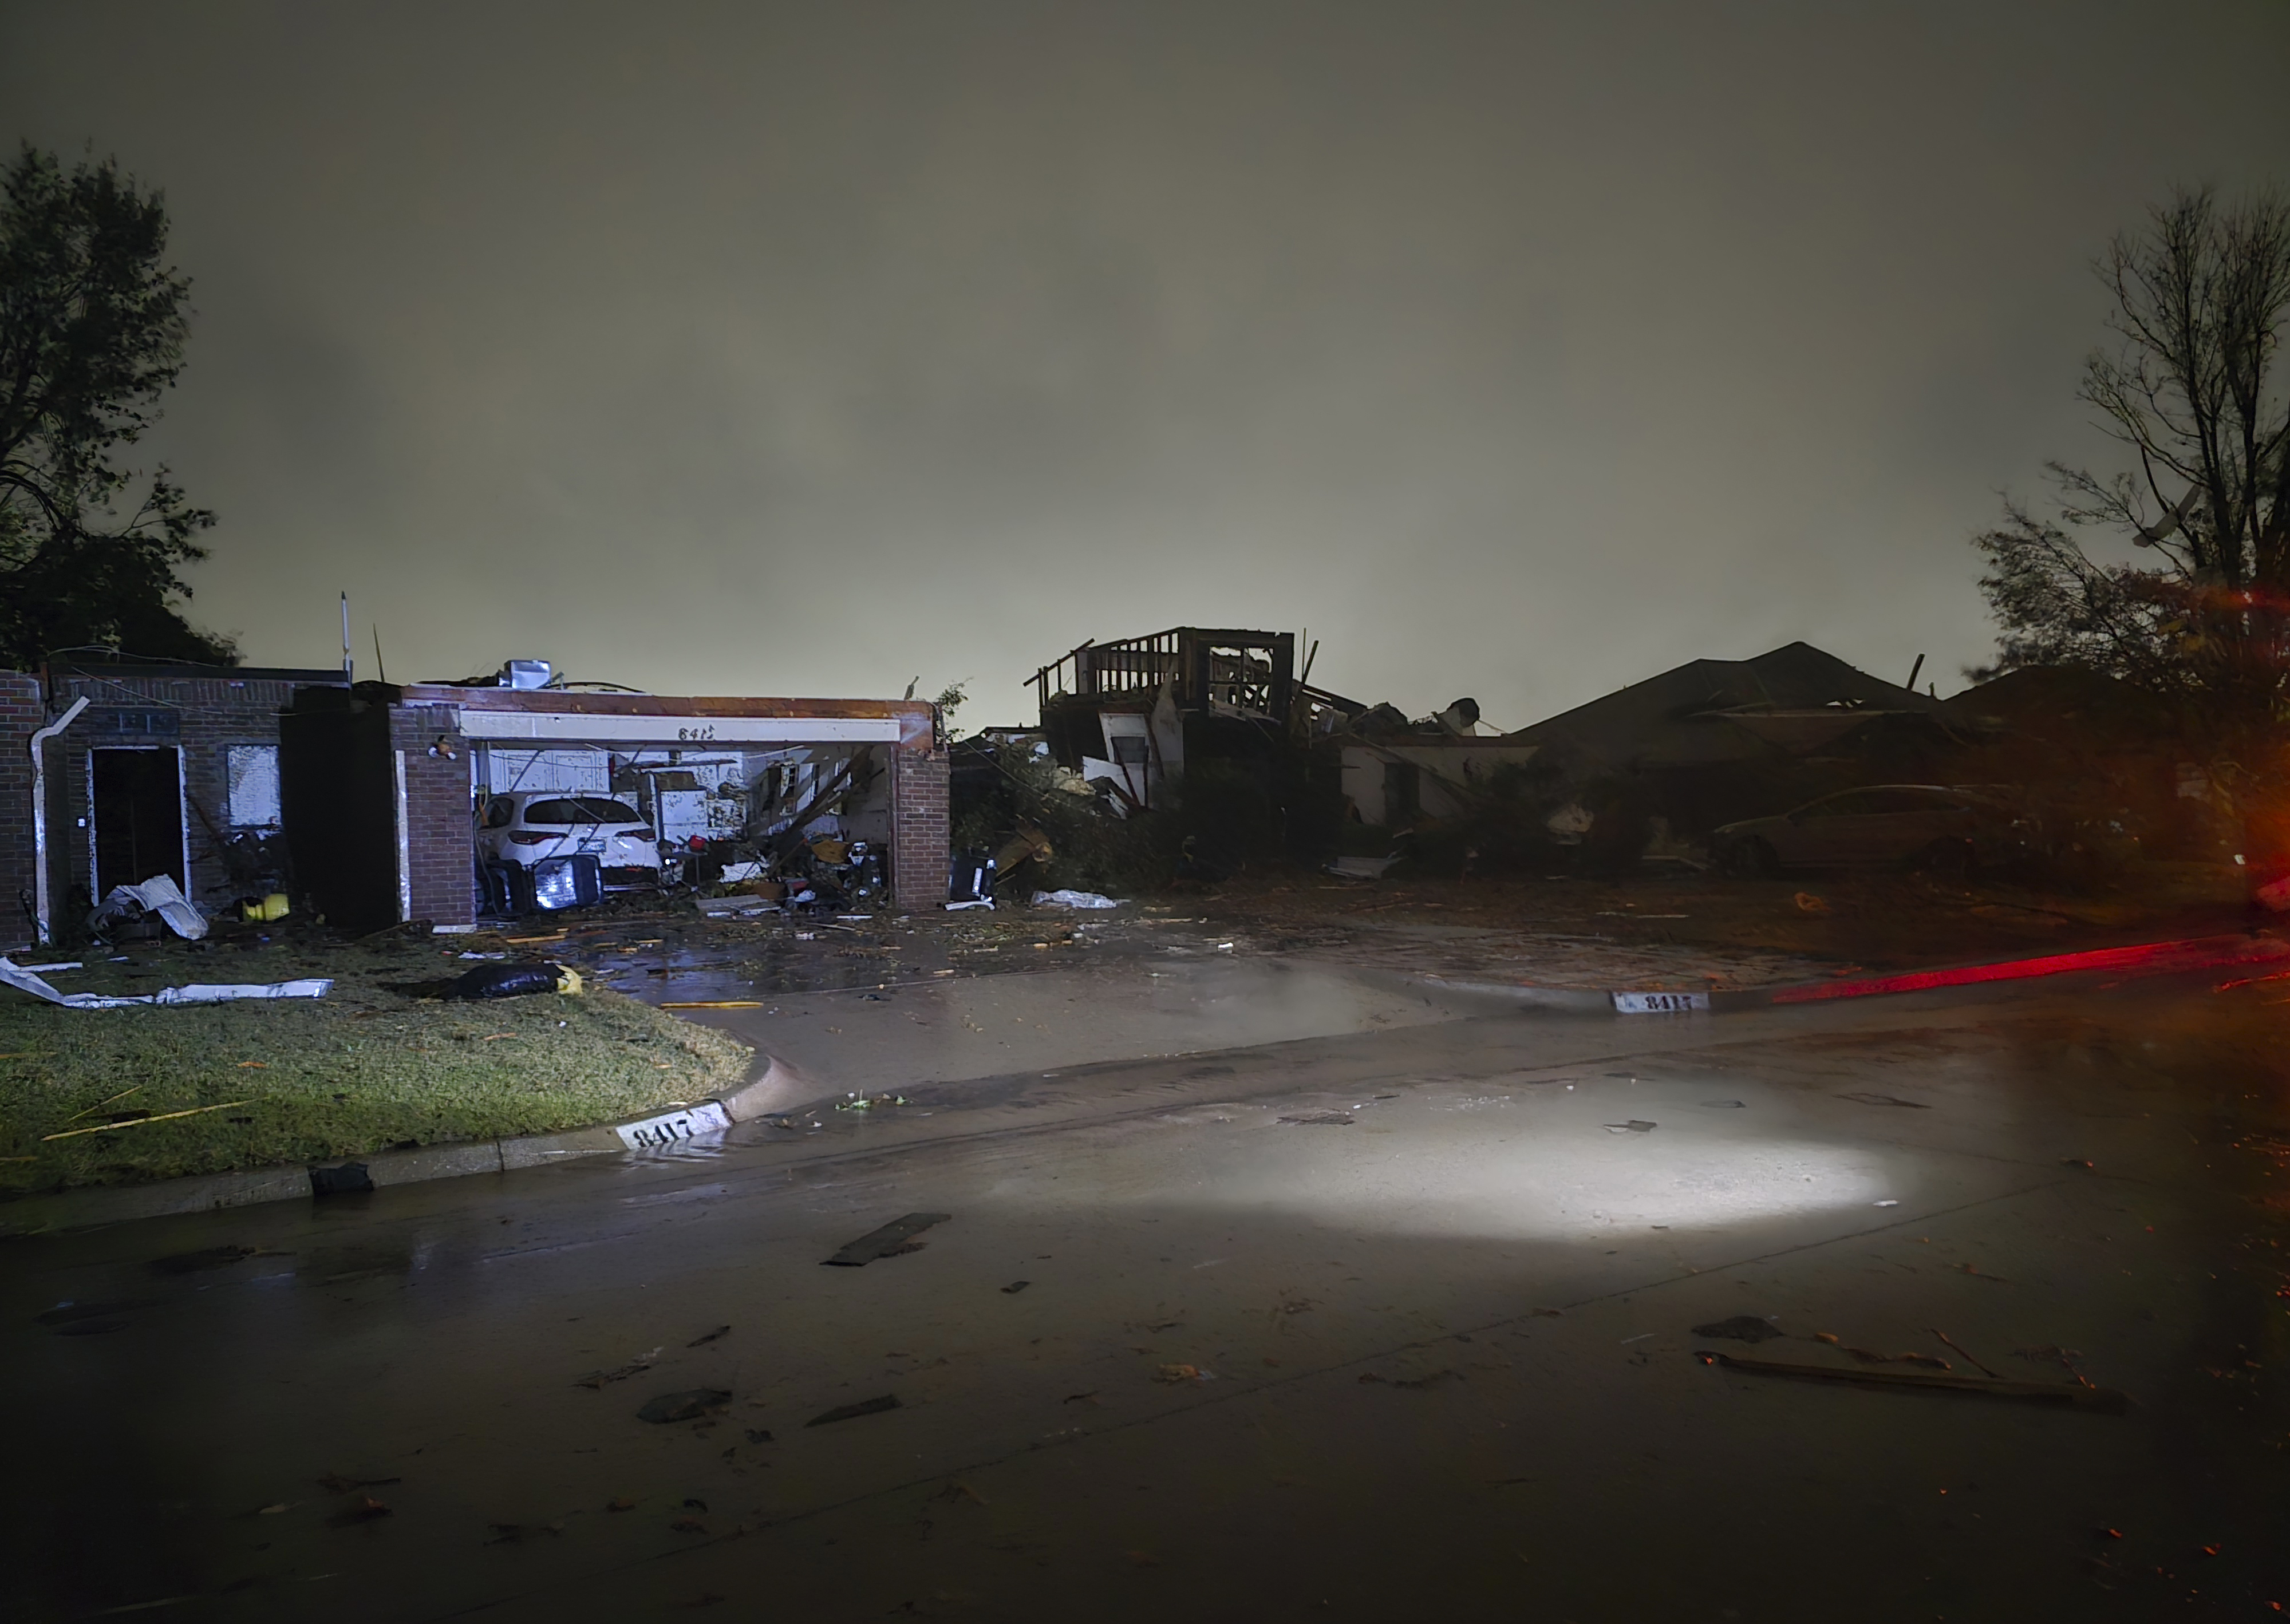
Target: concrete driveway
[1390, 1319]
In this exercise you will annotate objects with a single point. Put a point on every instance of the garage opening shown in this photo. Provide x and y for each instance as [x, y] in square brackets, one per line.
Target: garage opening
[136, 801]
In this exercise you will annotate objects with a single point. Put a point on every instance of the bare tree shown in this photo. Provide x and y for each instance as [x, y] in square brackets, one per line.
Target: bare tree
[2192, 392]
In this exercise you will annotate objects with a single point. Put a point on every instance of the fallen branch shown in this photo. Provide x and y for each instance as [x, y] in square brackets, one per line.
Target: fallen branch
[2105, 1401]
[138, 1122]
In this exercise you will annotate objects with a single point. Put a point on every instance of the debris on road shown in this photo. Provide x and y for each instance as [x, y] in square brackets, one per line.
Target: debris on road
[1873, 1098]
[350, 1178]
[1072, 898]
[1741, 1328]
[1632, 1126]
[1015, 1287]
[335, 1483]
[1723, 1105]
[1321, 1119]
[623, 1503]
[892, 1240]
[1947, 1342]
[865, 1406]
[2103, 1401]
[637, 1366]
[1416, 1383]
[367, 1511]
[1808, 903]
[686, 1406]
[758, 1435]
[717, 1334]
[1177, 1373]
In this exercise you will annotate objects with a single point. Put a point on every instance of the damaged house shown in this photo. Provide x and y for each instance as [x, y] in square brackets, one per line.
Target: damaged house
[117, 771]
[1716, 739]
[392, 794]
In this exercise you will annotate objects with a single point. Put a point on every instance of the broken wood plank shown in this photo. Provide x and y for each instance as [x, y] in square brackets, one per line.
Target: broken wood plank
[890, 1241]
[2104, 1401]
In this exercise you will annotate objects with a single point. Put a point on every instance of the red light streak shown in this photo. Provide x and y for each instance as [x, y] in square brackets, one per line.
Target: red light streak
[2154, 958]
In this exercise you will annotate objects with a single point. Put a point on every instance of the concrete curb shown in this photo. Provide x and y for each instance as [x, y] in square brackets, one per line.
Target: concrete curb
[780, 1086]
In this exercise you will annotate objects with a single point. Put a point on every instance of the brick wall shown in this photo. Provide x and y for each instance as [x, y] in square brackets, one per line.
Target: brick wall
[918, 826]
[208, 714]
[439, 840]
[22, 715]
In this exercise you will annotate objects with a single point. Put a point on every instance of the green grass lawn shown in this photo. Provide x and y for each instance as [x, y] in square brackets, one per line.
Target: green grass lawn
[378, 1065]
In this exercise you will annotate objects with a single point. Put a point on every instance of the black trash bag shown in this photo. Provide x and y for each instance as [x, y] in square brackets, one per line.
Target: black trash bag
[514, 980]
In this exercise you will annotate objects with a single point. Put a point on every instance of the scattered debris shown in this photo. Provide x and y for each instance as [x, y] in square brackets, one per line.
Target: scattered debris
[158, 895]
[1968, 1359]
[335, 1483]
[1874, 1099]
[1072, 898]
[955, 1489]
[14, 975]
[514, 980]
[1885, 1203]
[1723, 1105]
[511, 1533]
[350, 1178]
[865, 1406]
[1075, 1398]
[2103, 1401]
[2075, 1161]
[717, 1334]
[1416, 1383]
[624, 1503]
[367, 1511]
[1741, 1328]
[138, 1118]
[637, 1366]
[1632, 1126]
[1808, 903]
[686, 1406]
[1321, 1119]
[758, 1435]
[892, 1240]
[1015, 1287]
[1176, 1373]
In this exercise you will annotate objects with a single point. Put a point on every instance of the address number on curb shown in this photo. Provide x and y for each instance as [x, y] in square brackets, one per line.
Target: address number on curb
[654, 1132]
[1660, 1004]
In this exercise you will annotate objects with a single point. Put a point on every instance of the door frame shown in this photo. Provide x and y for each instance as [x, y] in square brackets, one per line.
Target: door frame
[182, 813]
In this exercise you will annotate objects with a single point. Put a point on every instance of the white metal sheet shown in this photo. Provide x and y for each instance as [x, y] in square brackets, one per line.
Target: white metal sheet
[567, 726]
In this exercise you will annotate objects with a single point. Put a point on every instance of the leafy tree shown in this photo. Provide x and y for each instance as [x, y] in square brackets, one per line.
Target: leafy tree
[91, 328]
[2193, 392]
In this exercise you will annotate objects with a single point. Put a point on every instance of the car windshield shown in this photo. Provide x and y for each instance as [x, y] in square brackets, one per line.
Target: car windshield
[580, 809]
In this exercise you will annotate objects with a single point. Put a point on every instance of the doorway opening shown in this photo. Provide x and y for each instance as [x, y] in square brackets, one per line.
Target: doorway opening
[136, 798]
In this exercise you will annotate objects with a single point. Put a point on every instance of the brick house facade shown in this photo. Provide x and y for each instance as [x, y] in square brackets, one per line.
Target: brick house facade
[378, 814]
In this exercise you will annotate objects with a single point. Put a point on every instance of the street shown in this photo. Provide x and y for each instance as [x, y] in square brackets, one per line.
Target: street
[1369, 1307]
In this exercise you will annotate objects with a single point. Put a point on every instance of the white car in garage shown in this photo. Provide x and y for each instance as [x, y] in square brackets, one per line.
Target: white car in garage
[528, 828]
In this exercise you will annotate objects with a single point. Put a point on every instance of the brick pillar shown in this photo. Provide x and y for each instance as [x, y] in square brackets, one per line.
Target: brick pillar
[22, 715]
[918, 826]
[438, 841]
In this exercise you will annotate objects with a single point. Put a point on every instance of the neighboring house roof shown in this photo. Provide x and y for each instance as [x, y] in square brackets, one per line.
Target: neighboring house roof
[1795, 698]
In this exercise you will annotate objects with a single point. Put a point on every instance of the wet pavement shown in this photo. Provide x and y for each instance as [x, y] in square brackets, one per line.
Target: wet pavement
[1326, 1316]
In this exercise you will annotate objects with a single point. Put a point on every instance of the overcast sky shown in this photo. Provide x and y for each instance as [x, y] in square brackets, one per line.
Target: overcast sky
[1517, 351]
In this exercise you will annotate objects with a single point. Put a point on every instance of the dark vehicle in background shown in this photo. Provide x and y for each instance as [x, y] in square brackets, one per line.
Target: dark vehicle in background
[1950, 830]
